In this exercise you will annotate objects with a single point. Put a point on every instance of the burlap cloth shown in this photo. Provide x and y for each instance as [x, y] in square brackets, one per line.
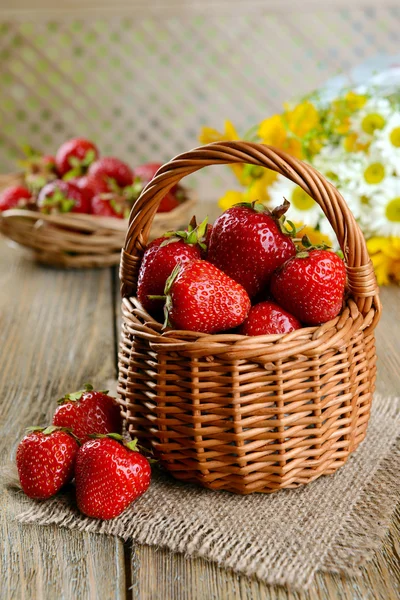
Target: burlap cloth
[334, 524]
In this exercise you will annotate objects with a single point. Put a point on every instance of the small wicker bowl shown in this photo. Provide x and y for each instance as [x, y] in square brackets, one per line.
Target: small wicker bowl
[78, 240]
[249, 414]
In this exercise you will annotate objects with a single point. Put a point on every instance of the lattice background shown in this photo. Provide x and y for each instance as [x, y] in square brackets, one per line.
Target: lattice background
[142, 87]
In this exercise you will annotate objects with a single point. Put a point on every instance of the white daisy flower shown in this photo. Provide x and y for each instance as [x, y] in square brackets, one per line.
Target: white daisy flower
[385, 208]
[335, 164]
[368, 173]
[371, 117]
[388, 142]
[302, 207]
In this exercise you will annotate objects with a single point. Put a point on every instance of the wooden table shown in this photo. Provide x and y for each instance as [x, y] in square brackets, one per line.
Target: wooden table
[58, 330]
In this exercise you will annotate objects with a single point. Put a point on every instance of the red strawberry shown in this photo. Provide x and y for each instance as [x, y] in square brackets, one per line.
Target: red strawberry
[61, 197]
[87, 412]
[247, 243]
[75, 155]
[110, 168]
[109, 476]
[266, 318]
[159, 260]
[45, 461]
[110, 205]
[311, 285]
[15, 196]
[91, 185]
[145, 173]
[168, 203]
[200, 297]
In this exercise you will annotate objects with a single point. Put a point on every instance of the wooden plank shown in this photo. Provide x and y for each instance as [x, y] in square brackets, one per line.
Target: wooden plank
[157, 573]
[56, 333]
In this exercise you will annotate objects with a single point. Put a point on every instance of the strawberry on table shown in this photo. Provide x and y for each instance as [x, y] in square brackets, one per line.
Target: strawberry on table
[45, 461]
[87, 412]
[160, 258]
[62, 197]
[112, 171]
[15, 196]
[75, 156]
[109, 475]
[268, 318]
[311, 285]
[248, 243]
[200, 297]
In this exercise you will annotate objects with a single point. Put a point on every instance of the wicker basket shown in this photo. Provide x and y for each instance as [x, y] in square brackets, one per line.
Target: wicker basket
[250, 414]
[78, 240]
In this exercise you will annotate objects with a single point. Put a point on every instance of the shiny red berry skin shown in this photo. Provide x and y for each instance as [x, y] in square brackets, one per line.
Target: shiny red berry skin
[157, 265]
[108, 477]
[249, 245]
[311, 287]
[77, 148]
[14, 196]
[60, 196]
[268, 318]
[206, 300]
[45, 462]
[109, 167]
[94, 412]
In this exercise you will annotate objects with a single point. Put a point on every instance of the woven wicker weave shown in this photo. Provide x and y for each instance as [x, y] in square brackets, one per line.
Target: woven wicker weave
[77, 240]
[250, 414]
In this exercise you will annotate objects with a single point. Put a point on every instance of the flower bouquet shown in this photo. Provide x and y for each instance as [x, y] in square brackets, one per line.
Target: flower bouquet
[353, 139]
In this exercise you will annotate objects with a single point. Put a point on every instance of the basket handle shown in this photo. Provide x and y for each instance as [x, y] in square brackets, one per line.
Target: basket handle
[360, 274]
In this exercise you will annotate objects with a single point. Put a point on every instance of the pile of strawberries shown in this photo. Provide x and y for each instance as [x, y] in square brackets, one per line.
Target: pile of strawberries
[249, 274]
[77, 180]
[84, 442]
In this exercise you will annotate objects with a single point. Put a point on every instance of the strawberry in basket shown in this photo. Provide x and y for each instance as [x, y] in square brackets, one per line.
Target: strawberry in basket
[15, 196]
[160, 258]
[145, 173]
[311, 284]
[248, 242]
[200, 297]
[75, 156]
[62, 197]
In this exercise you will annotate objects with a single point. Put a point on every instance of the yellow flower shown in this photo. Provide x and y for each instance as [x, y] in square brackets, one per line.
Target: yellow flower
[272, 131]
[286, 131]
[316, 237]
[230, 198]
[385, 256]
[302, 119]
[351, 144]
[258, 188]
[209, 135]
[341, 110]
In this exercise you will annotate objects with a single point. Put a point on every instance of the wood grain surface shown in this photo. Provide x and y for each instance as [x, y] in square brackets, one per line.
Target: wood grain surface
[57, 331]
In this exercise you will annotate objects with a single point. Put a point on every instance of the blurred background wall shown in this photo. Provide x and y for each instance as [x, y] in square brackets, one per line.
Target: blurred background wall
[141, 78]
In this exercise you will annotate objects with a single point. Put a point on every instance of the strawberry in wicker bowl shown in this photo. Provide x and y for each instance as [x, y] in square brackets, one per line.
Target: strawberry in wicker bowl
[249, 409]
[72, 209]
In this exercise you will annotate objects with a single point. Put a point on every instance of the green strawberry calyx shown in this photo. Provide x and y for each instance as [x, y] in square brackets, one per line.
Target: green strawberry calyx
[131, 444]
[79, 166]
[306, 247]
[75, 396]
[49, 429]
[278, 213]
[193, 235]
[58, 200]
